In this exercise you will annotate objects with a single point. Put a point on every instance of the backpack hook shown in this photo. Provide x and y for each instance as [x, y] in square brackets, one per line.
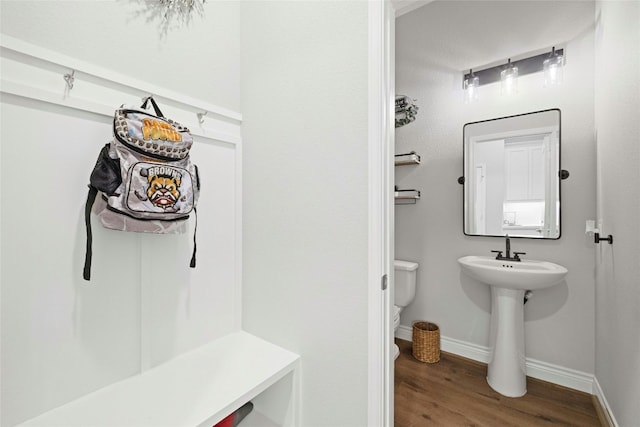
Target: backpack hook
[201, 117]
[69, 78]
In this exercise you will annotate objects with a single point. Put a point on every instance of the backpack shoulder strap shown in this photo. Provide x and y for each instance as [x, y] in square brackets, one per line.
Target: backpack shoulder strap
[195, 228]
[91, 197]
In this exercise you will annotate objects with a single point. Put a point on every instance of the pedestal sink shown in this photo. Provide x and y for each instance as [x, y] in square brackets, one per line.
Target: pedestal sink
[509, 280]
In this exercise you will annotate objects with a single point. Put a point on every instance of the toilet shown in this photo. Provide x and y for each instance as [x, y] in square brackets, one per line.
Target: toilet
[405, 291]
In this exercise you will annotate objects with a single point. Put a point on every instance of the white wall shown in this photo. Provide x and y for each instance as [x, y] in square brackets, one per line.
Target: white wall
[200, 60]
[305, 155]
[63, 337]
[434, 45]
[617, 110]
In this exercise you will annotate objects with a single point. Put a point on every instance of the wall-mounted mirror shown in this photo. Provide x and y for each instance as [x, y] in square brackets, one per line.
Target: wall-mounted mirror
[512, 176]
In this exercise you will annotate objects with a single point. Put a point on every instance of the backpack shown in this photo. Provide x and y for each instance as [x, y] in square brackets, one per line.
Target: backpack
[145, 177]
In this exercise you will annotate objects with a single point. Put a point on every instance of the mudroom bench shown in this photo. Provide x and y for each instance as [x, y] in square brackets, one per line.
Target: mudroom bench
[198, 388]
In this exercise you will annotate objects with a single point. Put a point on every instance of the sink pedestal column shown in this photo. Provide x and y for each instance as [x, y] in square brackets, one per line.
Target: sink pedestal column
[506, 373]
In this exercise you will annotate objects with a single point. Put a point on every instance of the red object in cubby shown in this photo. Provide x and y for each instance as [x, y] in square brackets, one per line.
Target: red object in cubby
[227, 422]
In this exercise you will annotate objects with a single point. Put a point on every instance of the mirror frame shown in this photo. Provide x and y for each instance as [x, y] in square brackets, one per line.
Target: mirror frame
[561, 174]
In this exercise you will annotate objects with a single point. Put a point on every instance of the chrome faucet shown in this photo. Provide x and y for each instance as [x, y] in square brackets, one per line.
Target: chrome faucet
[507, 256]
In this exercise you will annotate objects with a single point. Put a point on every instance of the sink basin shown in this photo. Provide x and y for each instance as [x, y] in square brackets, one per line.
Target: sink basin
[518, 275]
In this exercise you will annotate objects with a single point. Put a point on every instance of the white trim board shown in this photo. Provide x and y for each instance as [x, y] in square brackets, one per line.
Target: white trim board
[599, 394]
[380, 365]
[78, 65]
[555, 374]
[36, 73]
[23, 91]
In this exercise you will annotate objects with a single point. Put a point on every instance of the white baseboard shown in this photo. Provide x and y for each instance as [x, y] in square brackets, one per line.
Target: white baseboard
[560, 375]
[608, 413]
[555, 374]
[404, 333]
[450, 345]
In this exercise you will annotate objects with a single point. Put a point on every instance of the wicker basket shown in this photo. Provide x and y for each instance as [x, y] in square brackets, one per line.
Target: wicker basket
[426, 342]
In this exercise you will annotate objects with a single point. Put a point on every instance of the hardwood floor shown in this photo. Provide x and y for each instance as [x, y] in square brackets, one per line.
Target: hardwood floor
[454, 392]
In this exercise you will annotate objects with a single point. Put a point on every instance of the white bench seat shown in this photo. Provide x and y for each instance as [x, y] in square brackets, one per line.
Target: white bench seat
[198, 388]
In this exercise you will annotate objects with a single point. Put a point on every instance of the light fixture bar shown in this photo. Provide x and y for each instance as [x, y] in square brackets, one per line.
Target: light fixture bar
[525, 66]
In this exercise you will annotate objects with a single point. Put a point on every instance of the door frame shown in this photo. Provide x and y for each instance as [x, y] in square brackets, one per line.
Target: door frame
[381, 130]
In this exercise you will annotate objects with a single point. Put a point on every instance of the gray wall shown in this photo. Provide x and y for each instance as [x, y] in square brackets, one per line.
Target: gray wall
[434, 45]
[305, 271]
[618, 265]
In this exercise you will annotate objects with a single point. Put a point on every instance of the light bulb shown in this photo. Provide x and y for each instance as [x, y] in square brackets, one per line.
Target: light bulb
[470, 87]
[552, 67]
[509, 80]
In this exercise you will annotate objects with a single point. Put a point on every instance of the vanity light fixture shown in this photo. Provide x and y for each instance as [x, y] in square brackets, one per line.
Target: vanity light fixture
[507, 73]
[509, 79]
[552, 67]
[470, 86]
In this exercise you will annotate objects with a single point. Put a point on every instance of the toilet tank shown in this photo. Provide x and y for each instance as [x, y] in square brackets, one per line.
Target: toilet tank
[405, 282]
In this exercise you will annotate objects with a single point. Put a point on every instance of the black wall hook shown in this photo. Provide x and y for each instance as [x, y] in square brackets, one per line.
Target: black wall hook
[598, 239]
